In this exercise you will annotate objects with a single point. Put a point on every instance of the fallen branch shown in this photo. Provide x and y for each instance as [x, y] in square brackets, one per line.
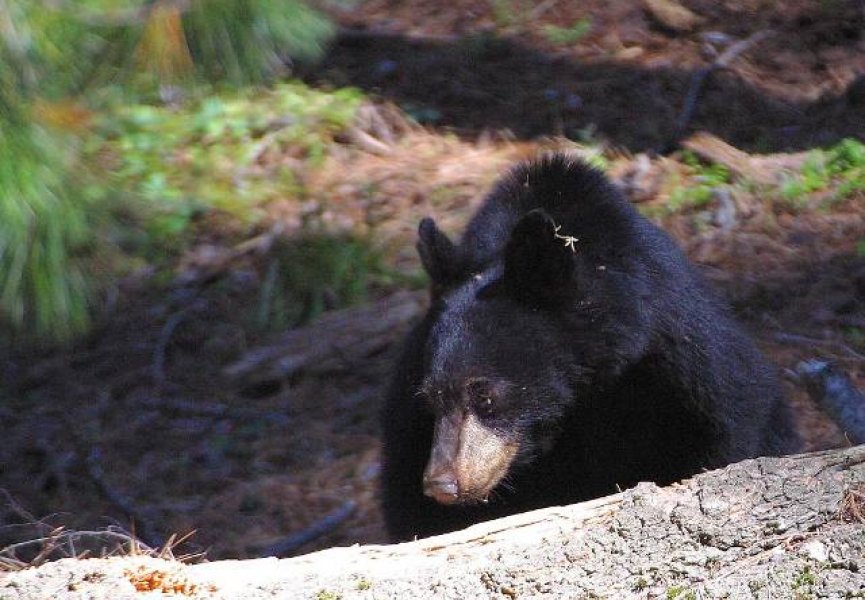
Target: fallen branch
[368, 143]
[698, 83]
[215, 410]
[780, 336]
[832, 389]
[124, 504]
[292, 543]
[158, 368]
[337, 338]
[765, 170]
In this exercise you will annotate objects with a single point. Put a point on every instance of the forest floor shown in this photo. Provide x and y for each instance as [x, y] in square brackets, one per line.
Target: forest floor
[142, 420]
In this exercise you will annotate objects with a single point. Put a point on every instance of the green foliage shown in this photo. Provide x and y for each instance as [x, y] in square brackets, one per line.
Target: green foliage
[594, 155]
[855, 336]
[509, 13]
[568, 35]
[804, 578]
[705, 179]
[213, 154]
[89, 43]
[840, 169]
[305, 277]
[44, 219]
[847, 157]
[35, 45]
[846, 161]
[246, 41]
[680, 592]
[813, 177]
[364, 584]
[46, 226]
[50, 219]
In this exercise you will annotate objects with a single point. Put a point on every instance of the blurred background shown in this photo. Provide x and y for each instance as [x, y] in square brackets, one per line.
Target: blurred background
[208, 211]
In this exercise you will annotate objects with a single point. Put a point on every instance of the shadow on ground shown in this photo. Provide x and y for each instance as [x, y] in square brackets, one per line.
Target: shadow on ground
[482, 82]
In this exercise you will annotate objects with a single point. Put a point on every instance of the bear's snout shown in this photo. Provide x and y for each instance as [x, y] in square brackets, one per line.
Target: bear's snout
[441, 486]
[467, 460]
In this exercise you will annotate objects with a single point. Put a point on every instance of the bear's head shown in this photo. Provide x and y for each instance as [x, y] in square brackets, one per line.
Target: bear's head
[501, 366]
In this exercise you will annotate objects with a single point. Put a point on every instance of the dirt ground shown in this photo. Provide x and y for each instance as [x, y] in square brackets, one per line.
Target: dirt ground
[466, 66]
[140, 420]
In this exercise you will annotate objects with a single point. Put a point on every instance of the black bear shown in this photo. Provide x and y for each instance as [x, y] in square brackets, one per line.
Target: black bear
[570, 350]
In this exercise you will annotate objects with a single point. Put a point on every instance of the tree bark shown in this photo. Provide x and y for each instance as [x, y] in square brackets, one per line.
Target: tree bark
[791, 527]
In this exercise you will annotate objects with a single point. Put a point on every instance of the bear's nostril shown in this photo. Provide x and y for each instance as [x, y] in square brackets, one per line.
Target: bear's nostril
[443, 489]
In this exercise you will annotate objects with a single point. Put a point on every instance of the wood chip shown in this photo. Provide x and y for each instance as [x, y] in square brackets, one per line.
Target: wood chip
[673, 15]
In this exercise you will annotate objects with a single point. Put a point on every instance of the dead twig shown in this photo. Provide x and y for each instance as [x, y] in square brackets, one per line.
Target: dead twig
[123, 503]
[368, 143]
[44, 533]
[214, 409]
[698, 83]
[832, 389]
[291, 543]
[63, 540]
[541, 8]
[173, 541]
[781, 336]
[11, 564]
[19, 510]
[853, 504]
[158, 367]
[51, 543]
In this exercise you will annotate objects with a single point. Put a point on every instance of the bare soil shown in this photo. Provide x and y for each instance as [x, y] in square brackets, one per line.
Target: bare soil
[625, 80]
[139, 422]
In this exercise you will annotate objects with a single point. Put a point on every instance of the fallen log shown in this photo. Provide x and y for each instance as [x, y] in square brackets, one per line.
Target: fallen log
[340, 336]
[765, 528]
[768, 169]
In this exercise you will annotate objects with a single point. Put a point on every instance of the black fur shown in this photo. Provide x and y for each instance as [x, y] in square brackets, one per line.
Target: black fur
[619, 364]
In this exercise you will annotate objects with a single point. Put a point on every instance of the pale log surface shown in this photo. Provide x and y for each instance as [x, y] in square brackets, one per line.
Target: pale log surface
[768, 528]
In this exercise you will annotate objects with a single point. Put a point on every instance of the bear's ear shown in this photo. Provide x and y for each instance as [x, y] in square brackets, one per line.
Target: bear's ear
[437, 253]
[539, 262]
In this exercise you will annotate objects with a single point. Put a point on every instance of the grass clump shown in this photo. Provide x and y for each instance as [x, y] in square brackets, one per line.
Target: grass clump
[839, 170]
[308, 276]
[364, 584]
[804, 579]
[680, 592]
[703, 181]
[568, 35]
[511, 13]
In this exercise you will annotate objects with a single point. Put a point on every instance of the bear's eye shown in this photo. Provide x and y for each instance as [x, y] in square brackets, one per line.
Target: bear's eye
[480, 393]
[484, 406]
[425, 399]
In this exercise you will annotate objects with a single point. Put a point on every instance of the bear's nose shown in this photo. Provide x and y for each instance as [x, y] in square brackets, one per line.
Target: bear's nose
[441, 487]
